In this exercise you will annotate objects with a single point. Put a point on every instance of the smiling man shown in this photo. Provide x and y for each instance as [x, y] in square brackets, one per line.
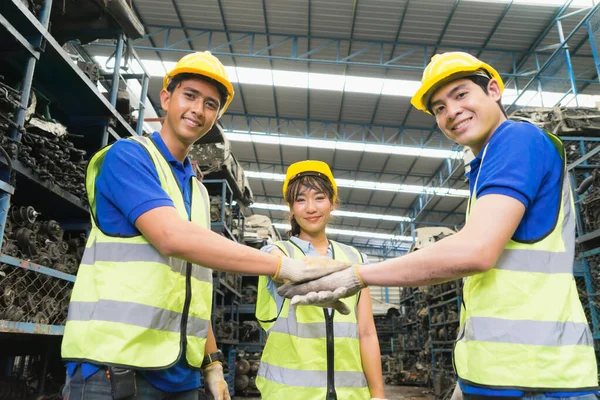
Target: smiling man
[523, 329]
[139, 318]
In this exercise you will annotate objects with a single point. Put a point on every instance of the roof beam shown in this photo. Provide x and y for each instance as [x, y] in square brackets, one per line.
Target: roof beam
[287, 47]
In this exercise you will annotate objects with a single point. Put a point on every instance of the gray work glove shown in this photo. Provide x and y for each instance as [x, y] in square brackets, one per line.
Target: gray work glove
[326, 290]
[307, 269]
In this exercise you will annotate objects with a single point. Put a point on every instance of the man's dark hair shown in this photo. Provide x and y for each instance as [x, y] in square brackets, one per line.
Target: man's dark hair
[483, 82]
[177, 79]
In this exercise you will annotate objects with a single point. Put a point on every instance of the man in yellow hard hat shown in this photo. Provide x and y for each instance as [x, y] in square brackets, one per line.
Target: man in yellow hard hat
[139, 321]
[523, 331]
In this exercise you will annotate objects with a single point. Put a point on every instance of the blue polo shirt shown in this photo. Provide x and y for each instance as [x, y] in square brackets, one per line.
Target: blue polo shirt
[521, 162]
[127, 187]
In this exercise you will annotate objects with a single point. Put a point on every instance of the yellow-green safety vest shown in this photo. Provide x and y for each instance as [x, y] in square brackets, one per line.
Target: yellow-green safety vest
[308, 355]
[522, 323]
[131, 305]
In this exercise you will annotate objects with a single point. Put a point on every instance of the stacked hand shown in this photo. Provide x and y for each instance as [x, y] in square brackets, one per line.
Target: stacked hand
[215, 382]
[307, 269]
[325, 291]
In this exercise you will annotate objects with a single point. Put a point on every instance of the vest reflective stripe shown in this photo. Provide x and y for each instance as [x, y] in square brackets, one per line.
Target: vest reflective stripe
[313, 379]
[138, 252]
[536, 333]
[294, 361]
[130, 303]
[522, 323]
[313, 330]
[136, 314]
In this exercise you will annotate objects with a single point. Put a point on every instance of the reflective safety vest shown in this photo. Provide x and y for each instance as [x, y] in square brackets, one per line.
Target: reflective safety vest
[522, 323]
[131, 305]
[309, 354]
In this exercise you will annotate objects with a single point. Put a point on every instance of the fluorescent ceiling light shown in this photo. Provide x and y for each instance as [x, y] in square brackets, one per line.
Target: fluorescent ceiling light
[341, 213]
[356, 84]
[543, 3]
[259, 137]
[369, 185]
[344, 232]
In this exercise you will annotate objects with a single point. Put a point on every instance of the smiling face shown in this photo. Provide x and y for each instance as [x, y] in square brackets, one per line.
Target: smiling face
[311, 204]
[466, 114]
[192, 110]
[312, 209]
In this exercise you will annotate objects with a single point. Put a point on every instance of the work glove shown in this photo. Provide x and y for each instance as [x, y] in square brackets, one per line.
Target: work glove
[307, 269]
[215, 382]
[326, 290]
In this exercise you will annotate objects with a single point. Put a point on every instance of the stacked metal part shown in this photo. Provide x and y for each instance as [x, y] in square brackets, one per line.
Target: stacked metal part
[44, 146]
[31, 296]
[246, 369]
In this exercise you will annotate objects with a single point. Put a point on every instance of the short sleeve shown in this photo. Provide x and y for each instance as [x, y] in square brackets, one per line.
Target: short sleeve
[515, 163]
[129, 180]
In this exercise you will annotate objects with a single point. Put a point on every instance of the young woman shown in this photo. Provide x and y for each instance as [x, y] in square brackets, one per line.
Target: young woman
[315, 353]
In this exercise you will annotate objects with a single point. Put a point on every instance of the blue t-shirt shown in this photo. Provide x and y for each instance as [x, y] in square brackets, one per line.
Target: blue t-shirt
[521, 162]
[127, 187]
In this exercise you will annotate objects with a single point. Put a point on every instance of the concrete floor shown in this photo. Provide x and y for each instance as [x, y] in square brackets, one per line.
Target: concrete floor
[392, 393]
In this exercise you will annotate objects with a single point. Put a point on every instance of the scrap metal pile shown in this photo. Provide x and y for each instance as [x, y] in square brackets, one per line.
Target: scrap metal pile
[216, 160]
[44, 146]
[562, 121]
[28, 296]
[259, 231]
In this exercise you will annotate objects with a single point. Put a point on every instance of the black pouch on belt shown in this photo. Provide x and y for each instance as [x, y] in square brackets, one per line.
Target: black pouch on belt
[122, 382]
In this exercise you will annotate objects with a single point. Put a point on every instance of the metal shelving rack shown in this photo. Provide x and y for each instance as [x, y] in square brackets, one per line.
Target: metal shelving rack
[581, 164]
[37, 60]
[442, 347]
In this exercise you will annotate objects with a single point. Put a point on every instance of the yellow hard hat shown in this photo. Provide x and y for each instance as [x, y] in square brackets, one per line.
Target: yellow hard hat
[309, 167]
[446, 67]
[203, 63]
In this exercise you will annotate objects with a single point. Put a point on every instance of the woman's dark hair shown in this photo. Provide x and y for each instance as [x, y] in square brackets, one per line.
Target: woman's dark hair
[296, 186]
[177, 79]
[483, 82]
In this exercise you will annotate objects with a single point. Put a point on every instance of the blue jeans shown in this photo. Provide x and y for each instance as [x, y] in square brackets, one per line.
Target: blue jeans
[529, 396]
[97, 387]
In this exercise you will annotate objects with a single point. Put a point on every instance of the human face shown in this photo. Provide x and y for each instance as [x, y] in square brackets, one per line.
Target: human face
[311, 210]
[466, 114]
[192, 110]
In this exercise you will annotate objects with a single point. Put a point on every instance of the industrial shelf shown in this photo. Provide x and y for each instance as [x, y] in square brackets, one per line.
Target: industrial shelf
[82, 104]
[30, 266]
[49, 195]
[31, 328]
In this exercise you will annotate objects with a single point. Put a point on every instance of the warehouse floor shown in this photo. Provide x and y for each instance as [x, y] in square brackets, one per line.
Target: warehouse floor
[391, 392]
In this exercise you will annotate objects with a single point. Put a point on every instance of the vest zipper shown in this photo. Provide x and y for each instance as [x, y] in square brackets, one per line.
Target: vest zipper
[188, 284]
[331, 394]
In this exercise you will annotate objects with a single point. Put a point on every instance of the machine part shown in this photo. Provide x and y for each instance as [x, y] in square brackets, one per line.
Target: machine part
[241, 382]
[27, 241]
[52, 230]
[23, 215]
[90, 69]
[242, 367]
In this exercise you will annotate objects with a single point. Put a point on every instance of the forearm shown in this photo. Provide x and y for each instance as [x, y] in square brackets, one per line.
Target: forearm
[202, 246]
[211, 343]
[452, 258]
[371, 363]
